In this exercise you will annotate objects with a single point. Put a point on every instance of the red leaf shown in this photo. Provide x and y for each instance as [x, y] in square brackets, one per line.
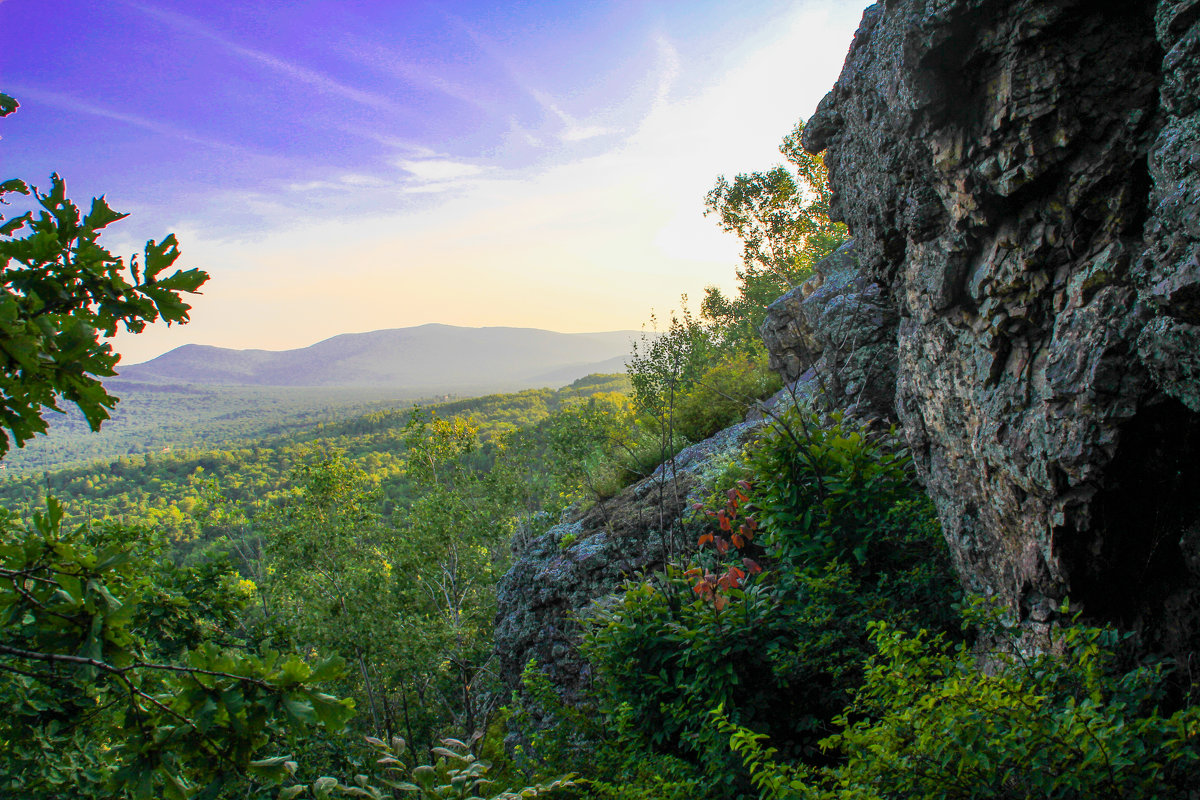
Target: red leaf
[738, 541]
[720, 601]
[751, 566]
[722, 545]
[705, 539]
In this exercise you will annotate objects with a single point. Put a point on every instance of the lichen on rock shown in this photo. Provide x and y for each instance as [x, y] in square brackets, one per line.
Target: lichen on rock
[835, 335]
[558, 575]
[1035, 215]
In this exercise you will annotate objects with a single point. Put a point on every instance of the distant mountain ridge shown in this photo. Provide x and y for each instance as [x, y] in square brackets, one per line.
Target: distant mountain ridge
[433, 356]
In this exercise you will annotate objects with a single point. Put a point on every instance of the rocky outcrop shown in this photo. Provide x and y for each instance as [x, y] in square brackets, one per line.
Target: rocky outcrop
[556, 576]
[1169, 270]
[1021, 177]
[835, 336]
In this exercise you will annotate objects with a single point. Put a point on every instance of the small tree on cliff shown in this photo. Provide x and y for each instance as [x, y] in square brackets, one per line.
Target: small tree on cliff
[782, 218]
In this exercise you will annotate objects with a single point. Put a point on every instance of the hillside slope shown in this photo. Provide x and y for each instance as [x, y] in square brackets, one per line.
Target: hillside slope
[426, 357]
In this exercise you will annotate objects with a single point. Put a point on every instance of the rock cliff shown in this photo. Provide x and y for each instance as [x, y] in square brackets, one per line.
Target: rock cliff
[1022, 179]
[556, 577]
[834, 337]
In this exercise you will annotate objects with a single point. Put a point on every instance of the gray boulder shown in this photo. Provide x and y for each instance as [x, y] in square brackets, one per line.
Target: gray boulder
[557, 576]
[835, 335]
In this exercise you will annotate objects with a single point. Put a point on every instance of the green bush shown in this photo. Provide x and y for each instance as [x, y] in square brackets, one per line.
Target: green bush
[845, 536]
[119, 677]
[929, 723]
[827, 488]
[456, 774]
[571, 738]
[664, 655]
[722, 394]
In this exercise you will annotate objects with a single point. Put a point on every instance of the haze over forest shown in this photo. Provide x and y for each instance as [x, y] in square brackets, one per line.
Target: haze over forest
[429, 358]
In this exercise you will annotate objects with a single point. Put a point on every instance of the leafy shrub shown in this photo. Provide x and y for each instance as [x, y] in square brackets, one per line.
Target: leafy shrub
[558, 737]
[665, 655]
[456, 775]
[661, 370]
[826, 488]
[644, 452]
[929, 723]
[722, 394]
[100, 702]
[845, 536]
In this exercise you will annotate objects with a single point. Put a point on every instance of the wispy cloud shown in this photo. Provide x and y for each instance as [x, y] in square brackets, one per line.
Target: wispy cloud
[438, 169]
[74, 104]
[348, 182]
[406, 146]
[573, 130]
[571, 243]
[669, 67]
[386, 60]
[296, 72]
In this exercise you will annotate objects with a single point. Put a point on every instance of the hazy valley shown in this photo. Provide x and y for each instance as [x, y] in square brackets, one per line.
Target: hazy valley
[197, 396]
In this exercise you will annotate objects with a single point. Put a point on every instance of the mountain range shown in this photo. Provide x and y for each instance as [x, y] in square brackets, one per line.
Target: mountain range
[426, 357]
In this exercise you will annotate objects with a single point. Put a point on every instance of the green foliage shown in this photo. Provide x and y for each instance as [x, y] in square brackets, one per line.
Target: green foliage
[457, 535]
[167, 491]
[722, 394]
[456, 775]
[930, 723]
[587, 442]
[61, 292]
[782, 650]
[828, 489]
[326, 558]
[409, 602]
[105, 698]
[607, 754]
[663, 654]
[385, 555]
[661, 368]
[90, 707]
[782, 218]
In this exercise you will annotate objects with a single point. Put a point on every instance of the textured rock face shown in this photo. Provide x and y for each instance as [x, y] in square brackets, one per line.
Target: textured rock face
[1023, 177]
[558, 575]
[836, 333]
[1169, 270]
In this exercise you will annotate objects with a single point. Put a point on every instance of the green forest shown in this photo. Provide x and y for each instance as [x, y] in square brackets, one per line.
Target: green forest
[164, 418]
[303, 607]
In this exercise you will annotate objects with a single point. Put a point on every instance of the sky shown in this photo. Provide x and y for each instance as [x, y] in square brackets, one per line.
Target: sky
[344, 165]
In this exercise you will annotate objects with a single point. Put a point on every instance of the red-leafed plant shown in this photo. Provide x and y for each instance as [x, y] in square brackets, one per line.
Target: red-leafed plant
[835, 515]
[736, 522]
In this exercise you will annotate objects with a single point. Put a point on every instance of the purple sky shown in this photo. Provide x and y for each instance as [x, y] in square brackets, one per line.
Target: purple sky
[343, 166]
